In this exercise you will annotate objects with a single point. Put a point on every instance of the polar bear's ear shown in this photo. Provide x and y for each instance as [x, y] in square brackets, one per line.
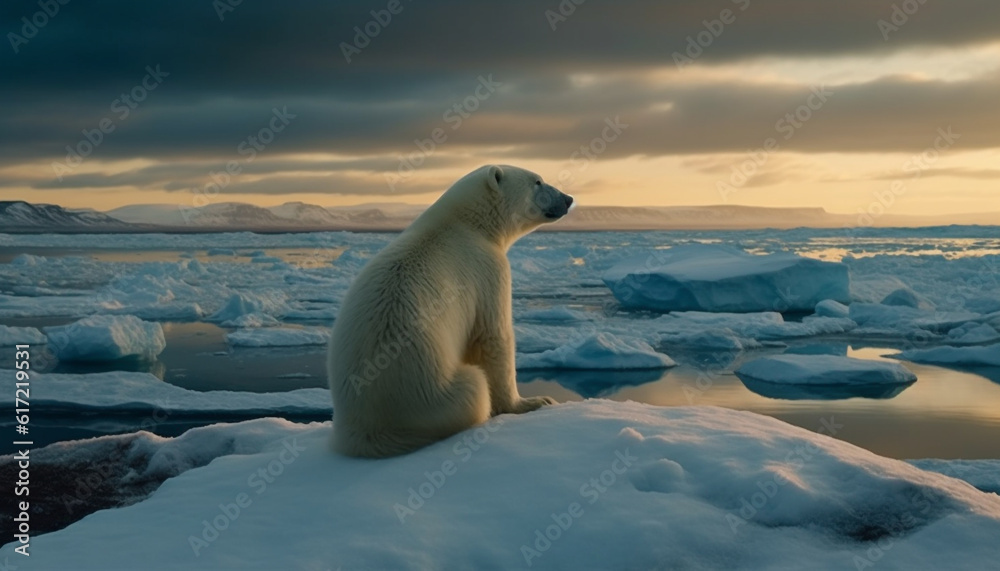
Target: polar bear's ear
[494, 175]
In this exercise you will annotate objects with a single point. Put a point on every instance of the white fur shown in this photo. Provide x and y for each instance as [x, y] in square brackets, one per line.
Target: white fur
[423, 346]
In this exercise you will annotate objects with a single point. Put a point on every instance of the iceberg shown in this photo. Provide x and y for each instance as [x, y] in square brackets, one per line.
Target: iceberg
[710, 277]
[106, 338]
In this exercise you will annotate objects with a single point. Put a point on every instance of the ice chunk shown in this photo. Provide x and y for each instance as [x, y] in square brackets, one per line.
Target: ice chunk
[824, 370]
[831, 308]
[708, 277]
[251, 320]
[244, 303]
[973, 334]
[988, 356]
[106, 338]
[10, 336]
[279, 337]
[675, 487]
[906, 297]
[718, 339]
[599, 351]
[143, 393]
[895, 320]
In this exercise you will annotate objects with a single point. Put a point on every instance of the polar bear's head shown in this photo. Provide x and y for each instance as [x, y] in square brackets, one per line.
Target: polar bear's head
[502, 201]
[524, 195]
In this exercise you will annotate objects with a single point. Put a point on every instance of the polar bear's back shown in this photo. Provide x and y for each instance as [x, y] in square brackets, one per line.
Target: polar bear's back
[403, 315]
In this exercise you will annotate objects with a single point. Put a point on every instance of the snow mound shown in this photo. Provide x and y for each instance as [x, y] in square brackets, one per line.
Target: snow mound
[279, 337]
[592, 485]
[106, 338]
[599, 351]
[10, 336]
[142, 392]
[709, 277]
[988, 356]
[824, 370]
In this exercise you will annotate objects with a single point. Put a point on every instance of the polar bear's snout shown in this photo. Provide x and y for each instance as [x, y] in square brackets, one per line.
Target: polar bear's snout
[559, 203]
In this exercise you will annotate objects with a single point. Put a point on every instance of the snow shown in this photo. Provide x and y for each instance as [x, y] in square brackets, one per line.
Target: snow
[10, 336]
[123, 391]
[799, 369]
[612, 485]
[279, 337]
[599, 351]
[709, 277]
[106, 338]
[988, 356]
[982, 474]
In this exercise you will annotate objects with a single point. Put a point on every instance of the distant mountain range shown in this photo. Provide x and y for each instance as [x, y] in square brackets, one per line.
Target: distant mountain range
[20, 216]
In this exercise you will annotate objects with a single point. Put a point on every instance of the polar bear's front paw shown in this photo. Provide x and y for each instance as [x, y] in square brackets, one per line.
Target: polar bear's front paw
[532, 403]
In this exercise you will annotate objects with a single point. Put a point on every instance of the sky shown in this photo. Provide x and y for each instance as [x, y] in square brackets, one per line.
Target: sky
[853, 106]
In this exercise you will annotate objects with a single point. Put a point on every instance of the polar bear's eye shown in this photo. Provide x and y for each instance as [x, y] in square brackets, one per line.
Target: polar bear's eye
[538, 183]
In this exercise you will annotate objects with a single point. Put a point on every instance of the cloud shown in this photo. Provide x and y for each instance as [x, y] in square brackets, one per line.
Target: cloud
[551, 90]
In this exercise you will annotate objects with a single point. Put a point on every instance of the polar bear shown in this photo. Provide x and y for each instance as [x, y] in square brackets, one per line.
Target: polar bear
[423, 346]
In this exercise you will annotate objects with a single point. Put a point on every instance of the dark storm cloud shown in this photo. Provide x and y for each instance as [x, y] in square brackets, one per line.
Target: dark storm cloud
[225, 77]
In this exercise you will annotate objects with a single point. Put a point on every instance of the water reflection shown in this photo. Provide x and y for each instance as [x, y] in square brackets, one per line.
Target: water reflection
[592, 384]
